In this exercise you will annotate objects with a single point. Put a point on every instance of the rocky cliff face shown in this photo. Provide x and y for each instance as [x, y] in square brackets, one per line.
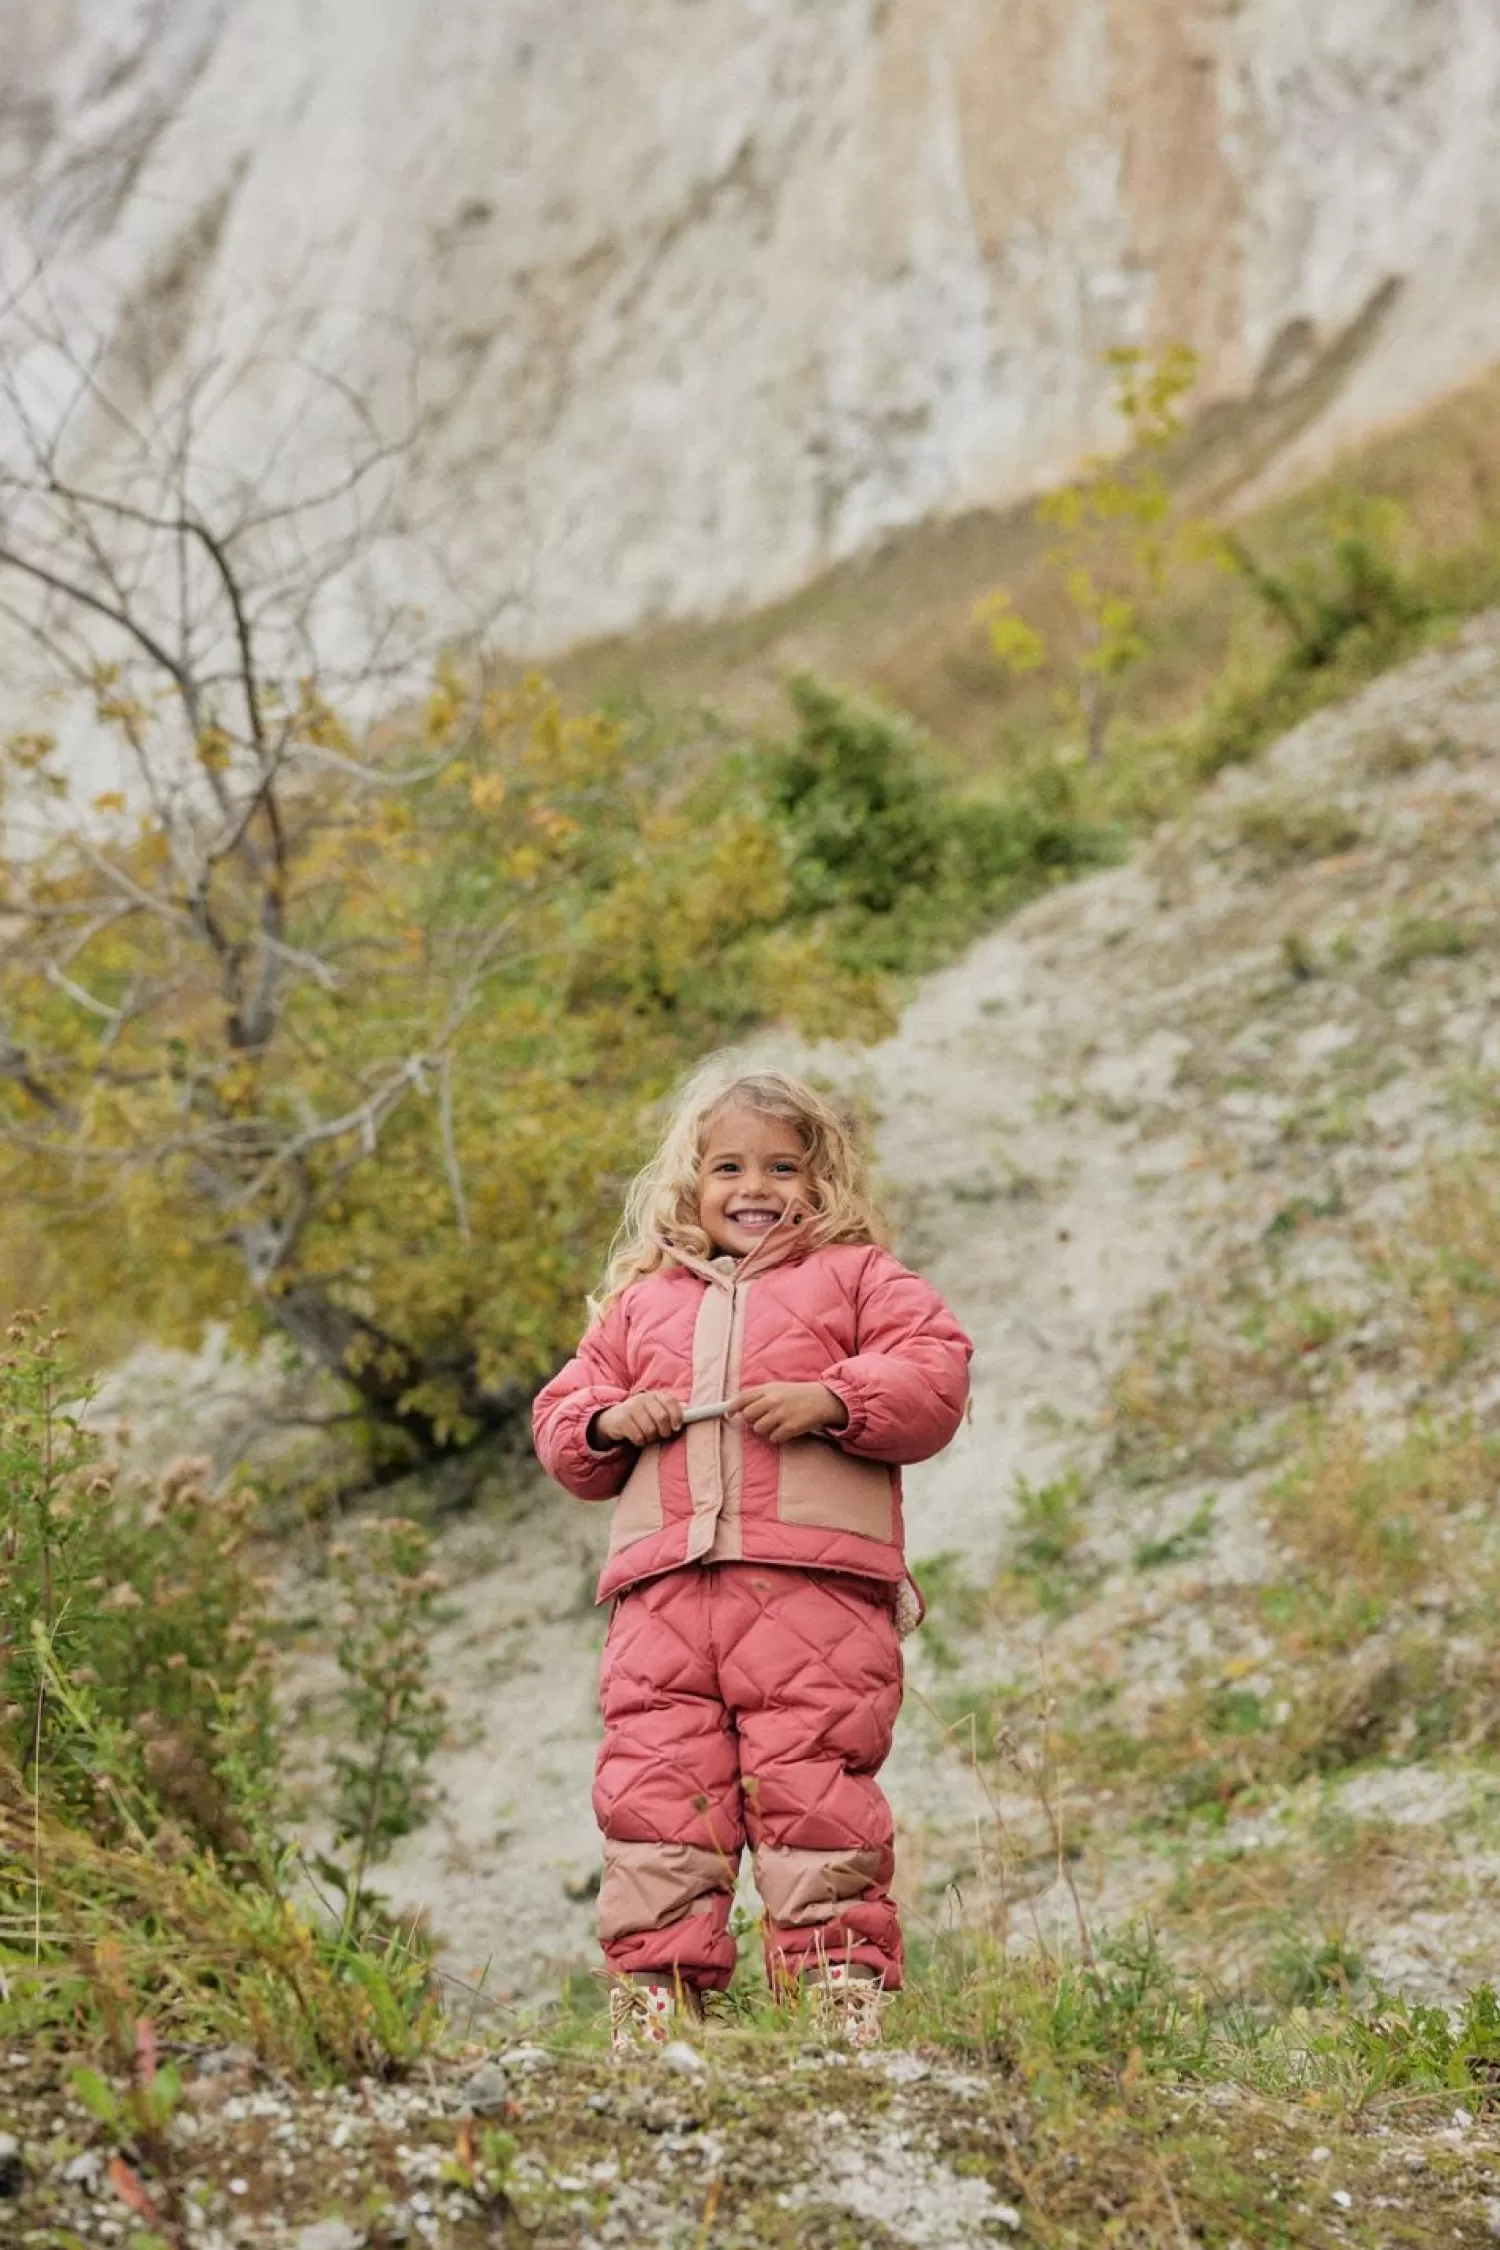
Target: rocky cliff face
[702, 295]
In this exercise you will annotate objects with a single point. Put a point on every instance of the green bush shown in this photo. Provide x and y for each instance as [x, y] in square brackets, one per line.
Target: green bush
[1356, 588]
[142, 1874]
[133, 1639]
[395, 1715]
[866, 827]
[1348, 608]
[895, 865]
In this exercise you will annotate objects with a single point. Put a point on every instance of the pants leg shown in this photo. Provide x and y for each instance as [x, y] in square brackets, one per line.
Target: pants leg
[812, 1674]
[666, 1787]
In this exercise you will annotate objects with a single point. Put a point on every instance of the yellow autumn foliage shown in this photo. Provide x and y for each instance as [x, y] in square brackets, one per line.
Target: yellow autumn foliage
[484, 979]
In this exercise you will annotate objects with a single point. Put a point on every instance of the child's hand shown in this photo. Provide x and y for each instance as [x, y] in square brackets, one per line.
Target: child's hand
[780, 1412]
[646, 1419]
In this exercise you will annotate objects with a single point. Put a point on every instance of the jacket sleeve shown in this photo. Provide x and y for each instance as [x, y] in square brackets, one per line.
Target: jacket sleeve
[595, 1377]
[906, 1387]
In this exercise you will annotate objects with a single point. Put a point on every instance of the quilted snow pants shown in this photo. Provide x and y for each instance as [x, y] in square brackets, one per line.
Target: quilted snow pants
[742, 1700]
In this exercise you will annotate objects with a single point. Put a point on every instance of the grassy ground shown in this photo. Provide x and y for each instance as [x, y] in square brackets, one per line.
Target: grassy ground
[1025, 2102]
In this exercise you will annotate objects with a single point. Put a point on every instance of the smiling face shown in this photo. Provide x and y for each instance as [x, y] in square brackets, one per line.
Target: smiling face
[753, 1169]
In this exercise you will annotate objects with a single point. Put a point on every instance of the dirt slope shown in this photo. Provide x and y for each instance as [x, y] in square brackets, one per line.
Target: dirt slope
[1097, 1110]
[1204, 1151]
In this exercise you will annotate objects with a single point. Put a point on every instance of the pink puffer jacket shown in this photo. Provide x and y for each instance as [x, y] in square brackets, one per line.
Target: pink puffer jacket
[848, 1315]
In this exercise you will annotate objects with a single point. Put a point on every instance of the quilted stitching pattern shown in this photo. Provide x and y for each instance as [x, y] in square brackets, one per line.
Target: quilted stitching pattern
[739, 1701]
[848, 1315]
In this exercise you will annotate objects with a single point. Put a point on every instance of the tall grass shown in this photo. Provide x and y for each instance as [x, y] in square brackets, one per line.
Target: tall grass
[144, 1876]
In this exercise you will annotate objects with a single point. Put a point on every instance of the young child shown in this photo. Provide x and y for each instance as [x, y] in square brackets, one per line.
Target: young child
[752, 1669]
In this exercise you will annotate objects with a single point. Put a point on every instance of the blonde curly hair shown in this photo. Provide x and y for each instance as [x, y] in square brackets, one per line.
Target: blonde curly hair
[661, 1209]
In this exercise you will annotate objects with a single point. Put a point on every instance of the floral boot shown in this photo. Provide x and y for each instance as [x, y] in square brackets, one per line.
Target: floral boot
[646, 2011]
[847, 2000]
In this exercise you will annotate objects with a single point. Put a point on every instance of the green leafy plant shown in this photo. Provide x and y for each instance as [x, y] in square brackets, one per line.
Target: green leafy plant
[1303, 1970]
[866, 826]
[137, 2116]
[143, 1880]
[393, 1713]
[1181, 1545]
[1357, 587]
[49, 1535]
[1046, 1549]
[134, 1657]
[1406, 2044]
[882, 855]
[1346, 605]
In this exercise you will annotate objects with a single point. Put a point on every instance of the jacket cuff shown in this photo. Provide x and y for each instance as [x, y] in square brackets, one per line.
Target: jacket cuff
[848, 1397]
[612, 1447]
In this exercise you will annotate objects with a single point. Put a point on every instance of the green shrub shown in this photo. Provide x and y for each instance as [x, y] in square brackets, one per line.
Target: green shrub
[866, 827]
[1356, 588]
[1349, 608]
[133, 1637]
[886, 857]
[142, 1876]
[394, 1713]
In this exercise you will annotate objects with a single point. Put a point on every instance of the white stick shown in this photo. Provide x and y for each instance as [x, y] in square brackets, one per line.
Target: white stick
[705, 1413]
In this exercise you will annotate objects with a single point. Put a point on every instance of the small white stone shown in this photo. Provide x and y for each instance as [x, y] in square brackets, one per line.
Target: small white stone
[1343, 2198]
[328, 2234]
[1005, 2215]
[679, 2056]
[239, 2187]
[486, 2091]
[1320, 2156]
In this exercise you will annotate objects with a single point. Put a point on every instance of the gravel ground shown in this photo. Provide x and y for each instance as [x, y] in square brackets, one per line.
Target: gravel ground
[797, 2149]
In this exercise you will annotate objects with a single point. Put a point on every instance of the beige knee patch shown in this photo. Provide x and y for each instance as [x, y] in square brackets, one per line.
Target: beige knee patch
[806, 1886]
[646, 1886]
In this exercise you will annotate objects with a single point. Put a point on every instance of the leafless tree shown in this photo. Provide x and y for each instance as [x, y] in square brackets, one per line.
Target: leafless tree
[208, 620]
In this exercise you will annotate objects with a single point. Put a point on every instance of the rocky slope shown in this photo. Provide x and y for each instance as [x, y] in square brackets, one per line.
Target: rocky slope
[1162, 1140]
[699, 298]
[1204, 1151]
